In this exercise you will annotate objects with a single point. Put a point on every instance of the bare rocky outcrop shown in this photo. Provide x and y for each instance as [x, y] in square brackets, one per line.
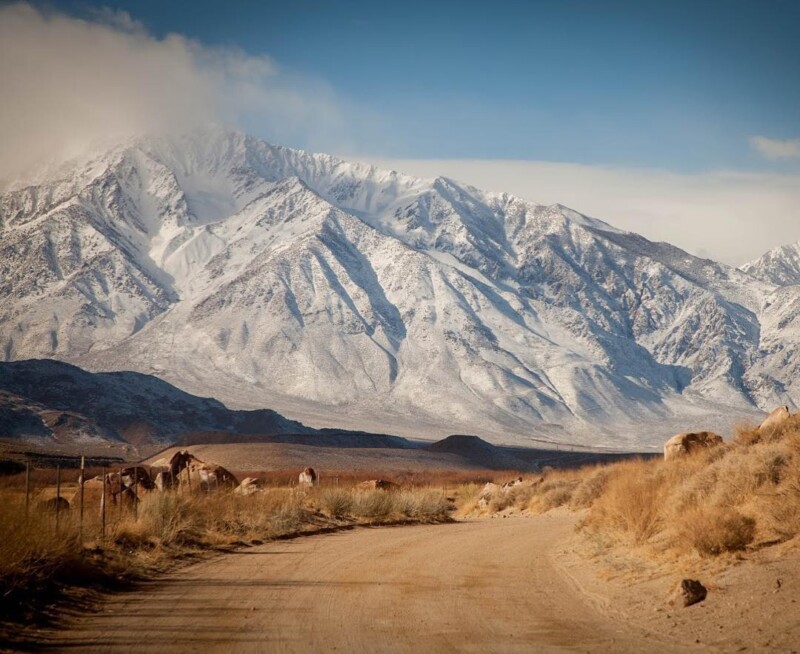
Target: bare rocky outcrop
[689, 443]
[775, 419]
[203, 476]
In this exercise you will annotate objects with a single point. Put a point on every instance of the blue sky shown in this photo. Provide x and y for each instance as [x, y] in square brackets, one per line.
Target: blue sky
[674, 85]
[677, 120]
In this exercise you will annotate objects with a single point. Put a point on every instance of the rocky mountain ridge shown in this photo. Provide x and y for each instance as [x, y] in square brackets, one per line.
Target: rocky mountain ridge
[338, 293]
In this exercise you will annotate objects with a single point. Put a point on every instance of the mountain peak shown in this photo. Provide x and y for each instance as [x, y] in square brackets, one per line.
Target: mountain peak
[779, 266]
[343, 292]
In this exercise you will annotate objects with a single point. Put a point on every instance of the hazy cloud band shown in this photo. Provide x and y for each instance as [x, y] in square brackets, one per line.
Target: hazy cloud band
[69, 82]
[727, 216]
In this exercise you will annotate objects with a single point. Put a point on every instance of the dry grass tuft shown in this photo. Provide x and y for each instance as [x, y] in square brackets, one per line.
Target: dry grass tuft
[592, 485]
[631, 502]
[712, 531]
[555, 490]
[722, 500]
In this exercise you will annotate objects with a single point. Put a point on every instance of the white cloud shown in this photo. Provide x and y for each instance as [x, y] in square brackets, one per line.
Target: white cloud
[67, 83]
[775, 149]
[728, 216]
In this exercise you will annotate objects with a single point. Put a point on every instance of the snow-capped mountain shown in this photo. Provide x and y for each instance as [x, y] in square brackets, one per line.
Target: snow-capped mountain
[341, 294]
[780, 266]
[780, 321]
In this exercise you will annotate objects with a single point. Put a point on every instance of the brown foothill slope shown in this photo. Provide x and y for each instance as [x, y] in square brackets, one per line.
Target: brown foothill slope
[287, 456]
[484, 586]
[478, 451]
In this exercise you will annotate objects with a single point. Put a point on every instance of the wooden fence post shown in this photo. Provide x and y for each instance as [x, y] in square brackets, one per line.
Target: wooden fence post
[58, 495]
[83, 473]
[27, 488]
[135, 493]
[103, 508]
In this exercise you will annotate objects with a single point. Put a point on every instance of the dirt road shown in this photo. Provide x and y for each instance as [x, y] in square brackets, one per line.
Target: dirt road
[482, 586]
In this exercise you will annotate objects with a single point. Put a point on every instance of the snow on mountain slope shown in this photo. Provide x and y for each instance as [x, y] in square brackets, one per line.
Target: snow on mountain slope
[340, 293]
[780, 266]
[778, 365]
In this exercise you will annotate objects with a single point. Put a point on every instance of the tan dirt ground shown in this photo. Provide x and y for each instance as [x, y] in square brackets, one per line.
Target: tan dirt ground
[753, 602]
[486, 585]
[480, 586]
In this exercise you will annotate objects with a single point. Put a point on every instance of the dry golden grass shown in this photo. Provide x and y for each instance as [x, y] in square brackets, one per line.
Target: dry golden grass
[715, 530]
[737, 496]
[631, 502]
[170, 525]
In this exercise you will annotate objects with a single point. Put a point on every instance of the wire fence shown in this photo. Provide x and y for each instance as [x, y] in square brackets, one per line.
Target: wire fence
[72, 501]
[93, 503]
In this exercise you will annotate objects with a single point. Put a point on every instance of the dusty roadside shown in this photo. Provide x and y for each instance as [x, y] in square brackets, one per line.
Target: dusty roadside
[518, 583]
[753, 602]
[483, 585]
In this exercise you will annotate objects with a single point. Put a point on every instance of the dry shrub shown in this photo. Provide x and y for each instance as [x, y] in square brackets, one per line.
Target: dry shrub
[426, 505]
[36, 562]
[715, 530]
[466, 498]
[163, 519]
[591, 486]
[500, 501]
[720, 500]
[556, 490]
[632, 502]
[30, 547]
[746, 434]
[336, 502]
[780, 431]
[781, 514]
[374, 503]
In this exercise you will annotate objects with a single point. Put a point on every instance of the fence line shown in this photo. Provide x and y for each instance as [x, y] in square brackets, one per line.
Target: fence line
[58, 496]
[82, 481]
[103, 508]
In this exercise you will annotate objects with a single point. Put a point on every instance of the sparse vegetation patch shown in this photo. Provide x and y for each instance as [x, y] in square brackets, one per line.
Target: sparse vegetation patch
[711, 502]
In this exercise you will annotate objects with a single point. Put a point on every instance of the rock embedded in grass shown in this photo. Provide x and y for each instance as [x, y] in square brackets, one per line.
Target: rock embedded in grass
[690, 442]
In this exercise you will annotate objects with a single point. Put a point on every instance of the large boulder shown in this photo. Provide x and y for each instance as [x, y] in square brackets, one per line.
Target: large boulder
[775, 419]
[115, 495]
[488, 492]
[690, 442]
